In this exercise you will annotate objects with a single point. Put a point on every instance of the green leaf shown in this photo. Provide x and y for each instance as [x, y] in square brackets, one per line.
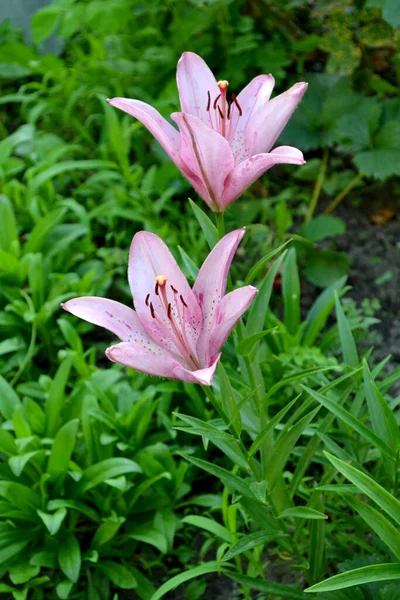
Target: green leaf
[191, 268]
[44, 23]
[325, 267]
[247, 542]
[53, 521]
[368, 486]
[63, 589]
[352, 421]
[67, 166]
[55, 400]
[291, 292]
[233, 482]
[203, 428]
[209, 229]
[246, 345]
[118, 574]
[302, 512]
[42, 229]
[387, 532]
[105, 469]
[284, 447]
[369, 574]
[8, 399]
[62, 449]
[348, 344]
[9, 241]
[228, 401]
[380, 163]
[171, 584]
[259, 307]
[69, 557]
[322, 227]
[259, 267]
[209, 525]
[18, 463]
[107, 530]
[320, 311]
[279, 590]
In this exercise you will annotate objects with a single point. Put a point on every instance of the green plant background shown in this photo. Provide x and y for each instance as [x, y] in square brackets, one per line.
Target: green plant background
[107, 475]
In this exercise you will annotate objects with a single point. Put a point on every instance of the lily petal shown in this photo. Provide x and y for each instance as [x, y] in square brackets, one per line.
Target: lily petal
[149, 257]
[229, 311]
[253, 97]
[210, 284]
[166, 135]
[203, 376]
[114, 316]
[195, 80]
[135, 357]
[245, 173]
[268, 122]
[207, 154]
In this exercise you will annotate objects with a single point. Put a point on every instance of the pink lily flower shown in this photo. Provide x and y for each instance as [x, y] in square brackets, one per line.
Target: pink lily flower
[223, 144]
[174, 331]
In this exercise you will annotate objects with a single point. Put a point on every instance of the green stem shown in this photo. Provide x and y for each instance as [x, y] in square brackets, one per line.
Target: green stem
[318, 186]
[220, 220]
[343, 194]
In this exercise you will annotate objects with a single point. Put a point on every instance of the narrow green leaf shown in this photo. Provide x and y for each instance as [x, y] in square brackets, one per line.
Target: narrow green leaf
[209, 229]
[279, 590]
[247, 542]
[387, 532]
[171, 584]
[302, 512]
[203, 428]
[368, 486]
[259, 307]
[348, 418]
[348, 344]
[320, 311]
[246, 345]
[228, 400]
[284, 447]
[233, 482]
[369, 574]
[209, 525]
[259, 267]
[256, 445]
[291, 292]
[191, 267]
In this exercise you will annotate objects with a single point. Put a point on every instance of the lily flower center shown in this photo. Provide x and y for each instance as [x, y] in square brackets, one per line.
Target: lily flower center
[224, 113]
[173, 318]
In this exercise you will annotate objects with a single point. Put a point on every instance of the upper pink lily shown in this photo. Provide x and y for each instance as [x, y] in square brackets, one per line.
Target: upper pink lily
[223, 144]
[174, 331]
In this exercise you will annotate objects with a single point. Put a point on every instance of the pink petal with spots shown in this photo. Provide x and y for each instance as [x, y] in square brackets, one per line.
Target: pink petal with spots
[149, 257]
[244, 174]
[135, 357]
[252, 98]
[114, 316]
[195, 80]
[229, 311]
[206, 154]
[268, 122]
[210, 284]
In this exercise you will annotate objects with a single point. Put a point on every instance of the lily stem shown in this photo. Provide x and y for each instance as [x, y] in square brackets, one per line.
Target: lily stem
[336, 201]
[318, 186]
[220, 220]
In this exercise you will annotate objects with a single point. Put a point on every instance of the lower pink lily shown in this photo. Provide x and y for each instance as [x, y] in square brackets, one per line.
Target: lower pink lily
[174, 331]
[224, 142]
